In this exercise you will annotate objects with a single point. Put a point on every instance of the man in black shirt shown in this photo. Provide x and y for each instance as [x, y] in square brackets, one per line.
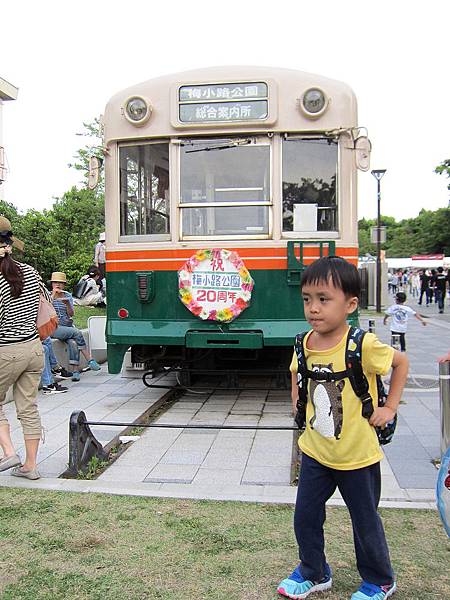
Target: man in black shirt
[424, 282]
[440, 282]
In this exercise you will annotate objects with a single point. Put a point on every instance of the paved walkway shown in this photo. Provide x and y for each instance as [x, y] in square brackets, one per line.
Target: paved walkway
[239, 465]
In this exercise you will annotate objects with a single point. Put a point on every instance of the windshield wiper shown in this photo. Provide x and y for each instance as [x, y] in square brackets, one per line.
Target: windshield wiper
[225, 147]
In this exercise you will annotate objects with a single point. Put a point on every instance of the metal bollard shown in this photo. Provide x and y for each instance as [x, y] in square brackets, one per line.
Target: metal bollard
[371, 326]
[395, 341]
[444, 394]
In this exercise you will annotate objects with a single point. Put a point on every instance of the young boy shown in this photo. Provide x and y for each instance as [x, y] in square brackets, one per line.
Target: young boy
[351, 459]
[400, 315]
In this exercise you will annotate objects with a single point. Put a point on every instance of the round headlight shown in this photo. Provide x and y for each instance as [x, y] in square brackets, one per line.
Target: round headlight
[137, 110]
[314, 102]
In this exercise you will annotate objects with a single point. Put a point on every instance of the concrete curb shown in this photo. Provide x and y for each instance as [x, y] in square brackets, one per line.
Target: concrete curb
[258, 494]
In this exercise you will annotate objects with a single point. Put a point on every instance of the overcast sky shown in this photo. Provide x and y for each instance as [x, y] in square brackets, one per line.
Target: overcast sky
[68, 59]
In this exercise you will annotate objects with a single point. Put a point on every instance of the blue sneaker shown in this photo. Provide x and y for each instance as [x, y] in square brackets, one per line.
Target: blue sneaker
[370, 591]
[297, 587]
[76, 376]
[93, 364]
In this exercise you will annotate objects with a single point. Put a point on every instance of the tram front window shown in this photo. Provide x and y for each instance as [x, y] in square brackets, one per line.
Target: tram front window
[225, 188]
[144, 190]
[309, 184]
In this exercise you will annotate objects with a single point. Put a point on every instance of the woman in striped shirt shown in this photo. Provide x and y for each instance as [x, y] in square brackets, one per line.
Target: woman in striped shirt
[21, 354]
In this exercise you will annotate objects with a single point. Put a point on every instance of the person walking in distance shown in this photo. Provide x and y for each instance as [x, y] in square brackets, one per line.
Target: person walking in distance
[400, 314]
[424, 281]
[21, 353]
[440, 282]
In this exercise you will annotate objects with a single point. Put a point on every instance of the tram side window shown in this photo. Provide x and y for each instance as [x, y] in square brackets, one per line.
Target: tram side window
[309, 185]
[144, 190]
[225, 188]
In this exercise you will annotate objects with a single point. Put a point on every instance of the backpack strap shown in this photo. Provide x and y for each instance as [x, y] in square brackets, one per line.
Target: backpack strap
[356, 376]
[302, 369]
[302, 380]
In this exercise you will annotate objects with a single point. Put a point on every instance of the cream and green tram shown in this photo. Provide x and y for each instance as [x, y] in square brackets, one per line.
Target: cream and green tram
[221, 185]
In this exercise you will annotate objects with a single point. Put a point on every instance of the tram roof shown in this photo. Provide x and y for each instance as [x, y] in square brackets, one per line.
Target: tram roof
[286, 87]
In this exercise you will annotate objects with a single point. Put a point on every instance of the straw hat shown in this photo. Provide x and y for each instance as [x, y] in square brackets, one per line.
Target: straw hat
[58, 277]
[6, 235]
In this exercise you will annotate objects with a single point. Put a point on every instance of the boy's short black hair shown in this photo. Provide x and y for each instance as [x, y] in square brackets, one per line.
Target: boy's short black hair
[400, 296]
[343, 275]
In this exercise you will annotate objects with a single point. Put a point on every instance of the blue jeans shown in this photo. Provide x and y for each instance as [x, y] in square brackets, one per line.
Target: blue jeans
[74, 339]
[360, 489]
[49, 362]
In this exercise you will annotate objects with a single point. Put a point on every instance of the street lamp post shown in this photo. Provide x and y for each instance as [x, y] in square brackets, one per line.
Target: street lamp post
[378, 174]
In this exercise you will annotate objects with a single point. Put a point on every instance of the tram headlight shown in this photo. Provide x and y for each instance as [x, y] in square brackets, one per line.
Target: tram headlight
[314, 103]
[137, 110]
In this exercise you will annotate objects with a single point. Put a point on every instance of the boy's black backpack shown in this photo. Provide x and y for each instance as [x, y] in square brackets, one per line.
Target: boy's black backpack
[354, 373]
[80, 288]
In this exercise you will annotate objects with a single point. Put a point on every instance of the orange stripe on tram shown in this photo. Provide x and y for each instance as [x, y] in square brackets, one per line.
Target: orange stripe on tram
[172, 260]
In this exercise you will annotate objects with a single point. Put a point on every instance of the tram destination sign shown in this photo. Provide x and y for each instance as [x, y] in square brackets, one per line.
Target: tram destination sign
[223, 102]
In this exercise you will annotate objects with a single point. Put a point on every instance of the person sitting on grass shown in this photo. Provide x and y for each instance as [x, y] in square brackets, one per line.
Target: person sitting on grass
[88, 290]
[350, 460]
[66, 332]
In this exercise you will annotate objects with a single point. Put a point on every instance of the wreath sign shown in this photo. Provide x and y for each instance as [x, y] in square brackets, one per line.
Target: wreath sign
[215, 285]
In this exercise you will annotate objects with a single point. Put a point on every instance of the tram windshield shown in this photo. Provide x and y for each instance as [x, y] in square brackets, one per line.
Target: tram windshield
[309, 184]
[225, 188]
[144, 190]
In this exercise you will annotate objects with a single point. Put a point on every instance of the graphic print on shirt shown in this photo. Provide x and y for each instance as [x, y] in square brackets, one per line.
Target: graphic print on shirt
[326, 397]
[400, 316]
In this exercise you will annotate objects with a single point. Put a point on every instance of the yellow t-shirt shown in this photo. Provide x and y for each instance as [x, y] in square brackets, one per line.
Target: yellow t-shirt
[336, 434]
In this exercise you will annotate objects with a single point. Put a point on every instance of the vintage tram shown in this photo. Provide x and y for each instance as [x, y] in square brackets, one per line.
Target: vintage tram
[221, 184]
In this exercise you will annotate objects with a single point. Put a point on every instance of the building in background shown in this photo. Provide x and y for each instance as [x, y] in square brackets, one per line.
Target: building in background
[7, 92]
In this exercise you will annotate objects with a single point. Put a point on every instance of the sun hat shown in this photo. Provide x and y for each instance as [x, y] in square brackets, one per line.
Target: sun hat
[58, 277]
[102, 237]
[6, 235]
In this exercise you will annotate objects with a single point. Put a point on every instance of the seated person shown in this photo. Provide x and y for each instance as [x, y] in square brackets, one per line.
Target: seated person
[88, 291]
[66, 332]
[48, 383]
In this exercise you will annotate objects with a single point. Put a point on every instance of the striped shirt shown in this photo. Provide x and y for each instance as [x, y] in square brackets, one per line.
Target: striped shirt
[18, 315]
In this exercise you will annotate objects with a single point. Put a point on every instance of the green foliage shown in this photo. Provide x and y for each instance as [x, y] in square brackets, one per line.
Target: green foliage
[93, 130]
[63, 238]
[428, 233]
[444, 169]
[94, 467]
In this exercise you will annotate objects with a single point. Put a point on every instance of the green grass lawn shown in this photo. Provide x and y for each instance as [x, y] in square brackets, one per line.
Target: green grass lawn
[97, 547]
[82, 313]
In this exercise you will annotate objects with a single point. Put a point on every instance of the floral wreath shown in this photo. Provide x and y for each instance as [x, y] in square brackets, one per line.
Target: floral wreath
[185, 291]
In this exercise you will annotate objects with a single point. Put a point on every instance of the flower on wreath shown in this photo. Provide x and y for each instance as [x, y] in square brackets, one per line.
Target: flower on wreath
[185, 295]
[241, 303]
[200, 256]
[195, 308]
[204, 314]
[235, 309]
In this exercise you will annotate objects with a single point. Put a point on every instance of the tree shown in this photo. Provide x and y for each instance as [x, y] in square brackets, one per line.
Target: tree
[444, 169]
[428, 233]
[93, 130]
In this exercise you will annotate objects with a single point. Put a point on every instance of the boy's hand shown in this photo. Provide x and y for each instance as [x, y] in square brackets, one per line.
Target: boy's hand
[381, 415]
[294, 405]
